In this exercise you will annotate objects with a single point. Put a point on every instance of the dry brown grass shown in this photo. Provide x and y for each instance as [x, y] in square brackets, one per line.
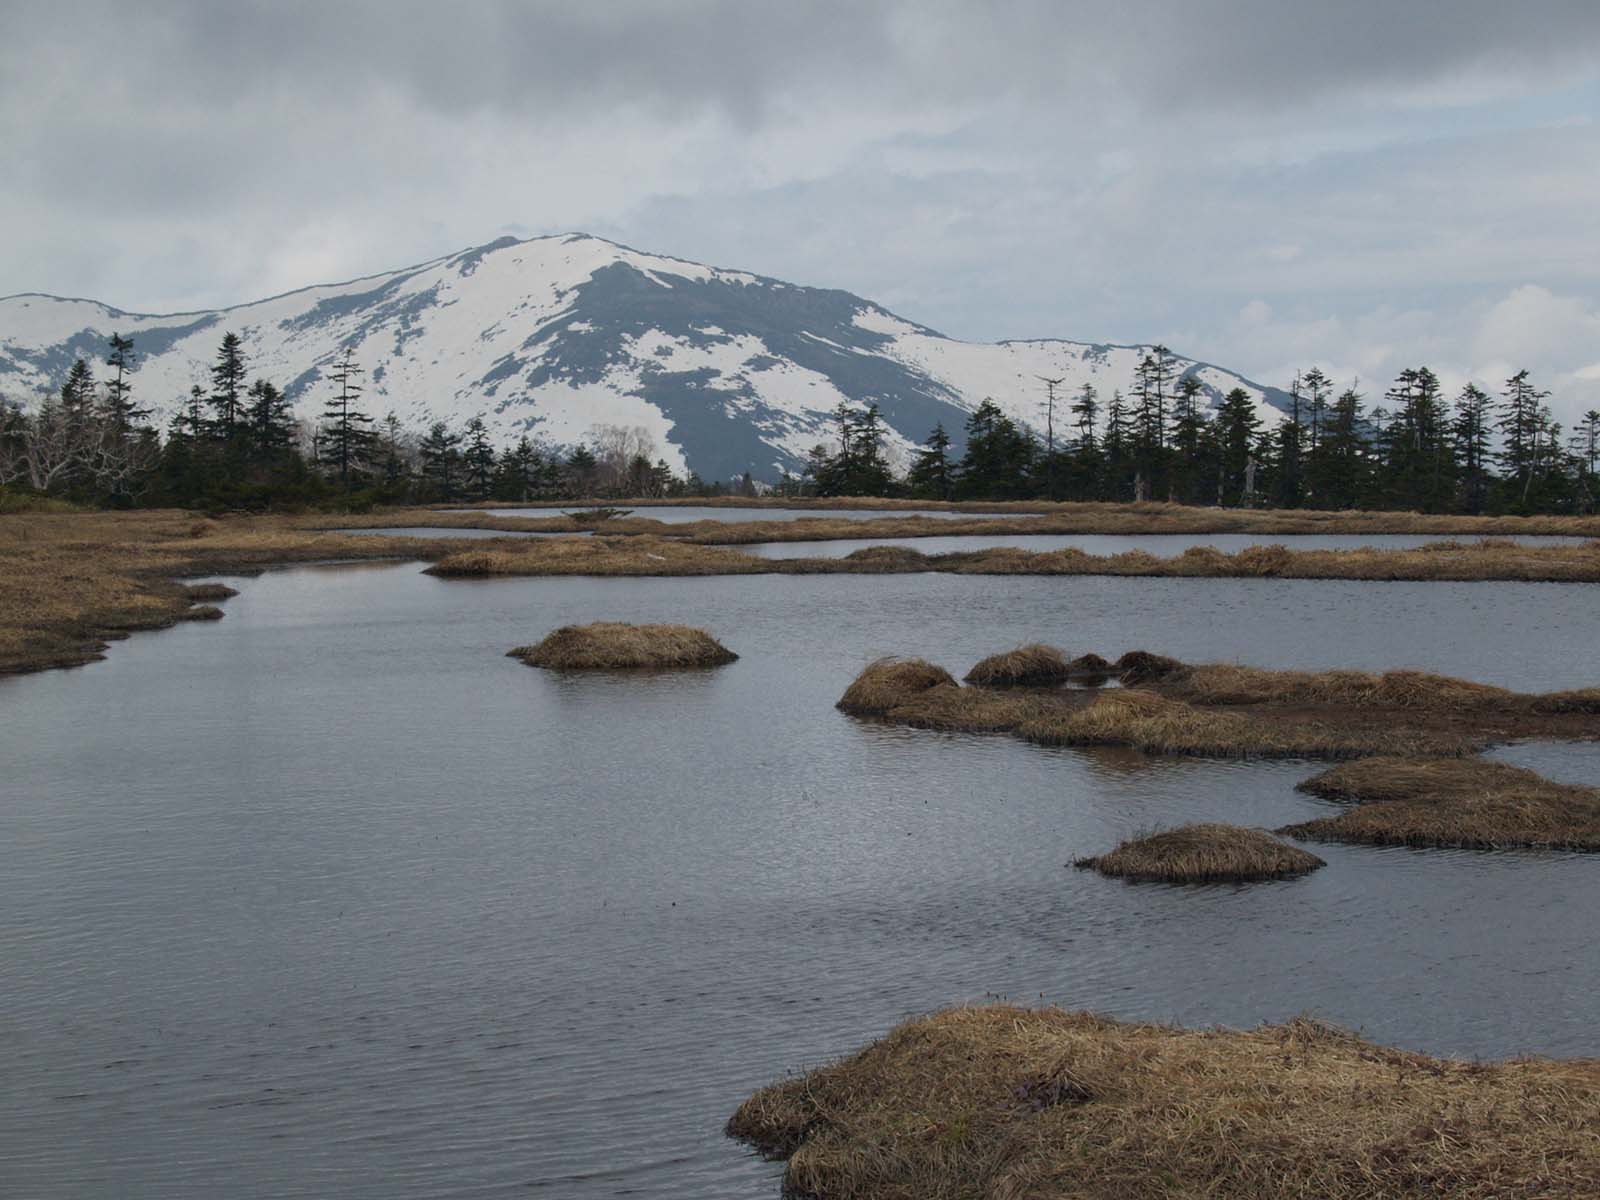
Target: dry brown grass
[1149, 517]
[890, 682]
[614, 645]
[923, 696]
[1090, 666]
[1156, 724]
[1467, 804]
[1228, 684]
[1207, 853]
[652, 549]
[196, 592]
[1041, 1104]
[596, 556]
[1579, 700]
[71, 581]
[1034, 665]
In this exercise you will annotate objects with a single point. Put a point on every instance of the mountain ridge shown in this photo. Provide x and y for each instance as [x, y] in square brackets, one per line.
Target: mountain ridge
[727, 370]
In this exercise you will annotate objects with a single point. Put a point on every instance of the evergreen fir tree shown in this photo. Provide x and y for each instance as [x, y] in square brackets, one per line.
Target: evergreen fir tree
[1238, 428]
[998, 458]
[478, 460]
[118, 411]
[1471, 432]
[1289, 491]
[347, 437]
[1341, 459]
[1521, 416]
[930, 473]
[270, 421]
[440, 460]
[227, 387]
[1317, 388]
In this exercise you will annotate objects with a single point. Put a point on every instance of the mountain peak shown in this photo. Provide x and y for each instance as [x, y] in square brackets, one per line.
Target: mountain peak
[552, 336]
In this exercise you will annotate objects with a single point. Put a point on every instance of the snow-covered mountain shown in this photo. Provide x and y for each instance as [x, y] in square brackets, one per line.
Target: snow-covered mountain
[553, 336]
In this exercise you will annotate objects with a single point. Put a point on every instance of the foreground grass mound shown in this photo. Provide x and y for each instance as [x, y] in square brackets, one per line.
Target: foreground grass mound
[613, 645]
[1208, 853]
[889, 683]
[1465, 804]
[1036, 665]
[1039, 1104]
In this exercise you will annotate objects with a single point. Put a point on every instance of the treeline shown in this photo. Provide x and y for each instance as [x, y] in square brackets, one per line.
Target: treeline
[235, 443]
[1414, 450]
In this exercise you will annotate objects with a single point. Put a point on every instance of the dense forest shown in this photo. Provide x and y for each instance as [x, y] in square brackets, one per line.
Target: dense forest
[236, 444]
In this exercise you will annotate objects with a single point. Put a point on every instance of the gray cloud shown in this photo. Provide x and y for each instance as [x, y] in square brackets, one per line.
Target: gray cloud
[1021, 168]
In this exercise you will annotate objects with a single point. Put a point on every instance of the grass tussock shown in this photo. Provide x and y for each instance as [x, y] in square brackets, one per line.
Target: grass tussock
[596, 555]
[1090, 667]
[1228, 684]
[201, 612]
[889, 683]
[1464, 804]
[1207, 853]
[1035, 665]
[1141, 666]
[1044, 1104]
[632, 547]
[198, 592]
[923, 696]
[614, 645]
[1157, 724]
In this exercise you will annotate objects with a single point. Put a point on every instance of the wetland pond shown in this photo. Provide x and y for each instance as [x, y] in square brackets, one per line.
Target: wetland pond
[333, 898]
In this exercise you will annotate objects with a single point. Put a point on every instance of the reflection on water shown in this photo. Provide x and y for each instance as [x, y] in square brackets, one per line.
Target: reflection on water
[332, 898]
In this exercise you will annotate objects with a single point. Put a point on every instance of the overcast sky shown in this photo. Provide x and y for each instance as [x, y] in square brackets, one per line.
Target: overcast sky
[1361, 184]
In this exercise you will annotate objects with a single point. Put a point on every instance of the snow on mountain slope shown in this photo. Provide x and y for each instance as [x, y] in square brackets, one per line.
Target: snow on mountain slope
[552, 336]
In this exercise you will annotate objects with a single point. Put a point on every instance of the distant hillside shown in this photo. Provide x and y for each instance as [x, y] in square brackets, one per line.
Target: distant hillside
[729, 371]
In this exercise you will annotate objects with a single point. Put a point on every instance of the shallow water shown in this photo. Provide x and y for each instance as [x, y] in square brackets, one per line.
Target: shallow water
[332, 898]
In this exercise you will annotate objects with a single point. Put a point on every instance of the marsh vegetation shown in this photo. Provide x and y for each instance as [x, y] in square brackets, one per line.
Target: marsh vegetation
[1204, 853]
[1003, 1101]
[617, 645]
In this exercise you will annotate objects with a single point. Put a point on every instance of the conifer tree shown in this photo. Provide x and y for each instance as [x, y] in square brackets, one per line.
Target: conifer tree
[77, 398]
[998, 457]
[1191, 443]
[478, 460]
[930, 473]
[1522, 415]
[270, 421]
[1287, 455]
[1470, 429]
[227, 387]
[347, 434]
[1341, 460]
[1238, 428]
[1086, 411]
[1317, 388]
[118, 411]
[440, 459]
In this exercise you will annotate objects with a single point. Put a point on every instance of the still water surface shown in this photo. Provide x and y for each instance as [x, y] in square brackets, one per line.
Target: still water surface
[332, 898]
